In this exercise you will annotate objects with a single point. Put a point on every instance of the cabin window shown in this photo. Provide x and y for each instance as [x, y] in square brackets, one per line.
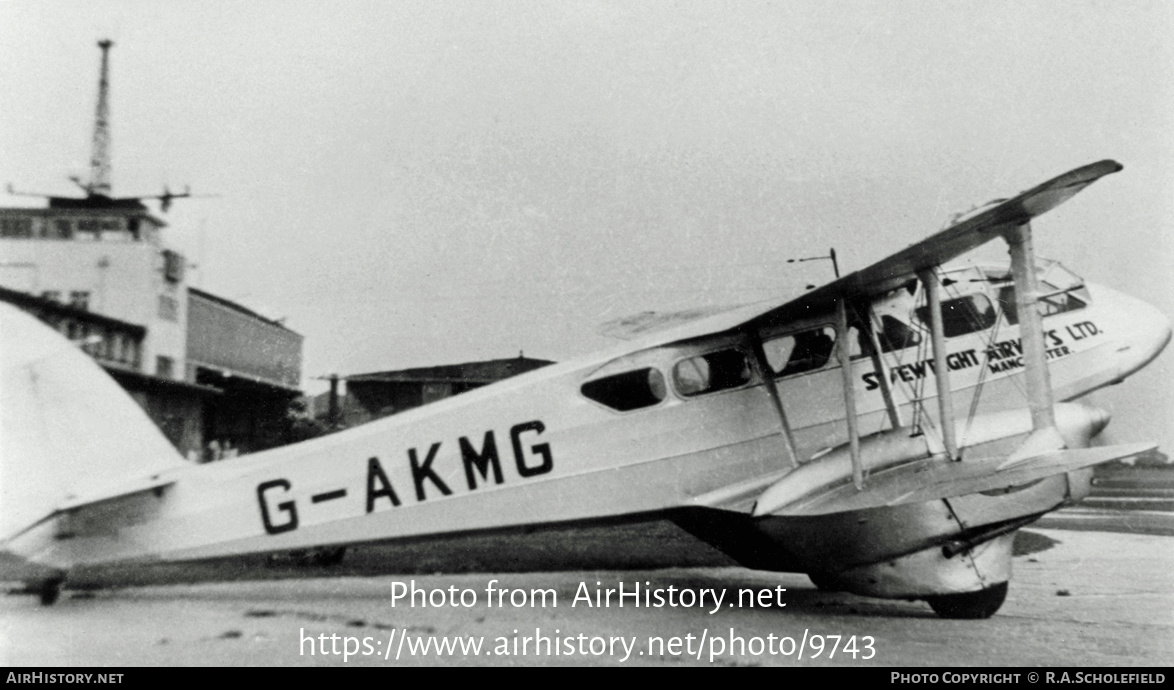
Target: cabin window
[712, 372]
[799, 352]
[1056, 304]
[630, 390]
[962, 315]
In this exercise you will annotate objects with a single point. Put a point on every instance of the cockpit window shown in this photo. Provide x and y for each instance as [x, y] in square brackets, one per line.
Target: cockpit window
[630, 390]
[1064, 291]
[799, 352]
[962, 315]
[712, 372]
[1053, 304]
[1054, 276]
[893, 335]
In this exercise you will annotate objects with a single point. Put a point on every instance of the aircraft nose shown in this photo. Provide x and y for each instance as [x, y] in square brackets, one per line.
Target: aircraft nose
[1149, 334]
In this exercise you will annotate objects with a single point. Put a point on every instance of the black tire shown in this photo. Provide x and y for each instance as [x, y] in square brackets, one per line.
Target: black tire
[969, 605]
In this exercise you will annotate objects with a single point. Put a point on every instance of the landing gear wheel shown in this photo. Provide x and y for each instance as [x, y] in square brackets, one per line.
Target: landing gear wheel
[48, 591]
[969, 605]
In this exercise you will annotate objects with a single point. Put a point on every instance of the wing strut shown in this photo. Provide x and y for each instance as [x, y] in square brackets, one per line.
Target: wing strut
[772, 388]
[933, 291]
[849, 393]
[882, 369]
[1031, 329]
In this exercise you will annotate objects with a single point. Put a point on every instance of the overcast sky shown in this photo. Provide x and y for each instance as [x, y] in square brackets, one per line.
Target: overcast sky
[414, 183]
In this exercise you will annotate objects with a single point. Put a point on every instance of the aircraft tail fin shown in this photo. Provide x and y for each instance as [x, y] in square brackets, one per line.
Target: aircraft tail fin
[67, 430]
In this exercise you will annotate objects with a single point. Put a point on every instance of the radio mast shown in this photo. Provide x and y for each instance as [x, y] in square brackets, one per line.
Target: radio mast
[100, 156]
[98, 187]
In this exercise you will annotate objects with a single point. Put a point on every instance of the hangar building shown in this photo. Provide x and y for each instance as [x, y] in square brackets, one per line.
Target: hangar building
[379, 394]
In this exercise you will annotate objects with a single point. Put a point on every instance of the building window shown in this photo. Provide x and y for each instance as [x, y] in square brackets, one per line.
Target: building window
[87, 230]
[95, 343]
[83, 338]
[115, 347]
[164, 367]
[126, 350]
[172, 266]
[79, 299]
[131, 352]
[102, 345]
[16, 228]
[168, 308]
[64, 229]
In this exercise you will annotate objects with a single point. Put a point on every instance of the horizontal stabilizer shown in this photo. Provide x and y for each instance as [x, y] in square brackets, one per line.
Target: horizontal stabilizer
[125, 490]
[155, 483]
[938, 478]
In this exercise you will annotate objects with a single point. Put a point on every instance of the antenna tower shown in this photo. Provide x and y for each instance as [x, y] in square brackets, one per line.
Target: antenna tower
[100, 157]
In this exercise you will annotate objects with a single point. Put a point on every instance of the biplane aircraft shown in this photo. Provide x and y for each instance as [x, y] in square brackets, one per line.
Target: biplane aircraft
[886, 433]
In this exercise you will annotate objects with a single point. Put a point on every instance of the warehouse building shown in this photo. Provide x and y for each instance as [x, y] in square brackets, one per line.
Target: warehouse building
[379, 394]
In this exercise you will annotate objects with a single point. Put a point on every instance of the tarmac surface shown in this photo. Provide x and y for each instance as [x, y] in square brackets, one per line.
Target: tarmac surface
[1089, 599]
[1093, 586]
[1133, 500]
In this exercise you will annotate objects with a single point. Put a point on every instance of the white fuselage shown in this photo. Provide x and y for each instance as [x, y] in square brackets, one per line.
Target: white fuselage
[535, 449]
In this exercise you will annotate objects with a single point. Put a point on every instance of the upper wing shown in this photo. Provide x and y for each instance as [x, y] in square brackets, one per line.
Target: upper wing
[898, 269]
[892, 272]
[648, 322]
